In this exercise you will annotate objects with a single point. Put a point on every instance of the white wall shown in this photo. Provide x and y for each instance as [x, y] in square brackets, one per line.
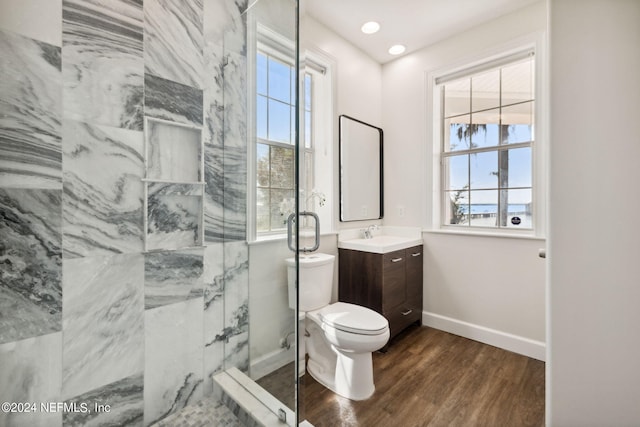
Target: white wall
[358, 77]
[490, 289]
[358, 88]
[491, 282]
[594, 243]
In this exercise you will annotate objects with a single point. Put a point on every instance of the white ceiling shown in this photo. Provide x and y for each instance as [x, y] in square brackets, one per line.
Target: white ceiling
[413, 23]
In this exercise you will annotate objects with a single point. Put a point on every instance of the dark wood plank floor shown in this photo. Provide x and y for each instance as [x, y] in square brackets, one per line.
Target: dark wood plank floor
[281, 385]
[432, 378]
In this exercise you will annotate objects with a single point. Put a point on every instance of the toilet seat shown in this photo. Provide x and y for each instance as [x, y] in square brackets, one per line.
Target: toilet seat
[353, 318]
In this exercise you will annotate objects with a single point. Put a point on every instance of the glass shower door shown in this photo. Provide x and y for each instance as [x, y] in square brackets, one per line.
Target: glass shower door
[260, 128]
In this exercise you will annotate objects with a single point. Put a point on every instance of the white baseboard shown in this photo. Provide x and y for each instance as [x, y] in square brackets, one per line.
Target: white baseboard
[514, 343]
[268, 363]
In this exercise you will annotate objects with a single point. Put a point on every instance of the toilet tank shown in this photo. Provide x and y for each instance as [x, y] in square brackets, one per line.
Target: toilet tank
[316, 278]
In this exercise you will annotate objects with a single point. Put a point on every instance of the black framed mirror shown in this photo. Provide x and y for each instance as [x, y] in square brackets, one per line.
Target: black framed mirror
[361, 170]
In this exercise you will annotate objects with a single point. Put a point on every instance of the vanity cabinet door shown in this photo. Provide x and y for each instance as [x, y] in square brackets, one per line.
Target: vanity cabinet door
[360, 279]
[394, 278]
[414, 276]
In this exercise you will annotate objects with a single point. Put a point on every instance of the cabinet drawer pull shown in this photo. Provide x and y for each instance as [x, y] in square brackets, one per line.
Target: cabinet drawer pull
[396, 259]
[408, 312]
[417, 254]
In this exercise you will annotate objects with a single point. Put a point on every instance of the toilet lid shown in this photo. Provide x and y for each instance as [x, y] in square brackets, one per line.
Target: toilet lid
[353, 318]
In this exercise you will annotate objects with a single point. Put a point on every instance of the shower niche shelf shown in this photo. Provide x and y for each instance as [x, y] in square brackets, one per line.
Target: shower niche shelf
[173, 186]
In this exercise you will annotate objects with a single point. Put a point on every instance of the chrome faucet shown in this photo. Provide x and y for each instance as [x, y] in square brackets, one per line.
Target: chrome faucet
[368, 231]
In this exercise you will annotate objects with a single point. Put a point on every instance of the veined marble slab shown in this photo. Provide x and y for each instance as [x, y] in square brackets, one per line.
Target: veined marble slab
[30, 263]
[235, 100]
[124, 399]
[213, 94]
[221, 16]
[235, 146]
[235, 193]
[213, 313]
[103, 192]
[174, 152]
[214, 143]
[225, 159]
[172, 277]
[173, 361]
[103, 62]
[103, 321]
[235, 33]
[174, 215]
[34, 19]
[226, 307]
[173, 40]
[236, 303]
[30, 113]
[31, 371]
[214, 213]
[236, 349]
[167, 100]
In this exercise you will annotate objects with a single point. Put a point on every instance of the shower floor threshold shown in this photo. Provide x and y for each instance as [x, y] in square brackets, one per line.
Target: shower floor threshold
[249, 402]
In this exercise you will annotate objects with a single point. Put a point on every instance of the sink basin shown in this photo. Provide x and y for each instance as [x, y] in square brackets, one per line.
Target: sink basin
[381, 243]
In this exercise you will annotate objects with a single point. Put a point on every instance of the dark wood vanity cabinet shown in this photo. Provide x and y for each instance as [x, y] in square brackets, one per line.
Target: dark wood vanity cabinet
[390, 284]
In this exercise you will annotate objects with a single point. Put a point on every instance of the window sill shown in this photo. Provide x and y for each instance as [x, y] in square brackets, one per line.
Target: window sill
[268, 239]
[482, 233]
[283, 238]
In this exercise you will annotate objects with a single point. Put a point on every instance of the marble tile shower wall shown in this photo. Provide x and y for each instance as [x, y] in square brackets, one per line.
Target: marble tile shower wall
[86, 314]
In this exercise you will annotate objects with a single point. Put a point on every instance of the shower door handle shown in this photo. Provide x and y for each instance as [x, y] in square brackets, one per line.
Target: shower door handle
[290, 221]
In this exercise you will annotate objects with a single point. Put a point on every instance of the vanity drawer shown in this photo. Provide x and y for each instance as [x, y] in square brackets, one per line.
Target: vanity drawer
[401, 316]
[393, 261]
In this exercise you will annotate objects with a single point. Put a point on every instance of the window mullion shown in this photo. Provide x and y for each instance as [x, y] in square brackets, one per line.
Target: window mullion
[489, 109]
[471, 117]
[488, 149]
[501, 188]
[275, 143]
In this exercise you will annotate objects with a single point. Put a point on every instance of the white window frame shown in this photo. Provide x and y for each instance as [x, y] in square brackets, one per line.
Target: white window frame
[433, 176]
[321, 69]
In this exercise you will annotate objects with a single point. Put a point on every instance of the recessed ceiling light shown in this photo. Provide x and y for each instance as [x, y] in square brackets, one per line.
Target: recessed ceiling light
[370, 27]
[397, 49]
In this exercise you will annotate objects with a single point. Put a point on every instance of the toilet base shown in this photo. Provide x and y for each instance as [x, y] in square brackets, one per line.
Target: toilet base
[342, 361]
[352, 376]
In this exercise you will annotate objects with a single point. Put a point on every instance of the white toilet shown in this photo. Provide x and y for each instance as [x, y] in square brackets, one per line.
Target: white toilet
[341, 336]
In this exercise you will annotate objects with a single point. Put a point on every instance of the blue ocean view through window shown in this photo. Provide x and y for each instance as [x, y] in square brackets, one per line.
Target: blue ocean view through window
[518, 215]
[488, 208]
